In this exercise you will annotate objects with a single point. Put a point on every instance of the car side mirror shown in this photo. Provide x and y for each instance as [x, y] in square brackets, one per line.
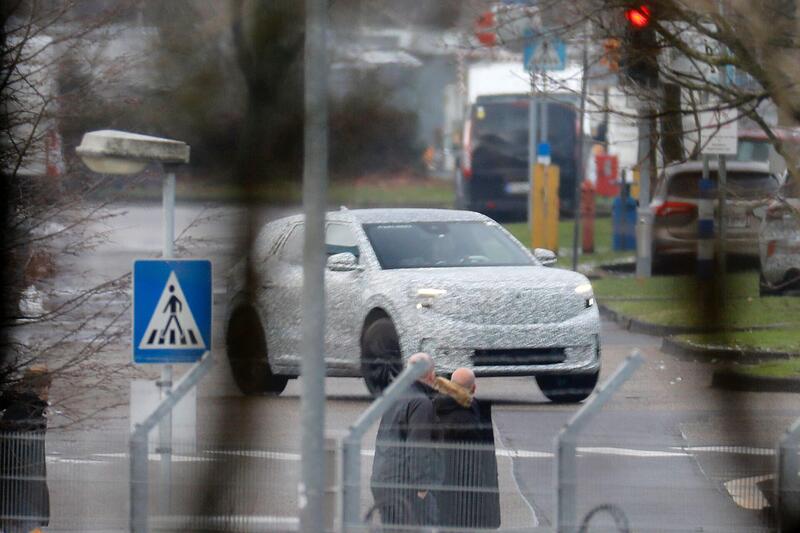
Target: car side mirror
[544, 256]
[343, 262]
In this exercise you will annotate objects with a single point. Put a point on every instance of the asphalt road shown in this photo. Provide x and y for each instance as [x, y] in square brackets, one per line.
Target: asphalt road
[669, 453]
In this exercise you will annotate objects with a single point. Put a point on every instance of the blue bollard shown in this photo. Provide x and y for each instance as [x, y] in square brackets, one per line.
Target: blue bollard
[623, 222]
[705, 229]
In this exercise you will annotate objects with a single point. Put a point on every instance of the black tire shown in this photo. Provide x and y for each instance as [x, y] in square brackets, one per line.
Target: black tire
[381, 361]
[567, 388]
[247, 354]
[764, 288]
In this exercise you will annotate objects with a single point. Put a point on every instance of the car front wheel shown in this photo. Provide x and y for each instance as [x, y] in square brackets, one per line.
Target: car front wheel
[567, 388]
[247, 354]
[380, 355]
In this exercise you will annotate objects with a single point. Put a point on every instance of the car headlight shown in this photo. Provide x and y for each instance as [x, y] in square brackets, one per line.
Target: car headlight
[585, 291]
[426, 296]
[430, 293]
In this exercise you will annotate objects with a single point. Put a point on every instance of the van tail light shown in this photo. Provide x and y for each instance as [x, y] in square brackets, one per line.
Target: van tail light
[676, 208]
[466, 156]
[771, 247]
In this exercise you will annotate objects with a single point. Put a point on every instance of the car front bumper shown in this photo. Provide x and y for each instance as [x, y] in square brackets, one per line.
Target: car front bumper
[454, 344]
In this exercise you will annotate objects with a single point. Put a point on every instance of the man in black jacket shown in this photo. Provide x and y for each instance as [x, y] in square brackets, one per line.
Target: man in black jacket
[405, 465]
[469, 495]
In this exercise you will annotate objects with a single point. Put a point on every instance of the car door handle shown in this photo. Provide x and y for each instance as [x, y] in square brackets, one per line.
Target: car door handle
[269, 285]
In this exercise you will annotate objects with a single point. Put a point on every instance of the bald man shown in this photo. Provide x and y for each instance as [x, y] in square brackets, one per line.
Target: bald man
[405, 464]
[468, 498]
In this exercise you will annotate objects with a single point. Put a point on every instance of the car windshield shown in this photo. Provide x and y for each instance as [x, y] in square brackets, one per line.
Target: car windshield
[739, 184]
[444, 244]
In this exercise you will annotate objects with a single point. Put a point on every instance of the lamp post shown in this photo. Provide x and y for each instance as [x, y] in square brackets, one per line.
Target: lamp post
[125, 153]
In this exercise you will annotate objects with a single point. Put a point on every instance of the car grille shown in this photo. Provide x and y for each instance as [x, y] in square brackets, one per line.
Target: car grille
[519, 356]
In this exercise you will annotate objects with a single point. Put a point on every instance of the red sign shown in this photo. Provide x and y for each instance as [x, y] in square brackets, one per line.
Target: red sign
[607, 174]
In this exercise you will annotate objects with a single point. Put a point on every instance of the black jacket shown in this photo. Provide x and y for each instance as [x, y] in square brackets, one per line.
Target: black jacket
[469, 496]
[404, 456]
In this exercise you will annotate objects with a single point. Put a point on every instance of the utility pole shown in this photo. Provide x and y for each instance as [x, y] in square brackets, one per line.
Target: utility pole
[311, 490]
[581, 174]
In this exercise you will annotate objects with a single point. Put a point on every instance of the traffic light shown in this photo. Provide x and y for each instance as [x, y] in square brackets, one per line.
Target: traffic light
[639, 48]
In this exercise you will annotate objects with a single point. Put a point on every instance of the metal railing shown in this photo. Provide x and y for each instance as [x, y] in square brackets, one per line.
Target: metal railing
[139, 482]
[566, 444]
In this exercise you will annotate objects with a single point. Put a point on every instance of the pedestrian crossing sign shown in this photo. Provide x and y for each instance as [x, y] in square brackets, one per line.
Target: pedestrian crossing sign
[171, 310]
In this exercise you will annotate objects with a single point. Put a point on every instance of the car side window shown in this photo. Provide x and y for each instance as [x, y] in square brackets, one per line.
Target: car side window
[339, 238]
[292, 250]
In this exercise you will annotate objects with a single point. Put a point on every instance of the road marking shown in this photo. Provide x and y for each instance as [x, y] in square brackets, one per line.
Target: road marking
[502, 448]
[177, 521]
[729, 449]
[745, 492]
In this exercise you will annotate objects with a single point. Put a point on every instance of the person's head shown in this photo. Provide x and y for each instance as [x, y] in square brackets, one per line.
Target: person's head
[429, 377]
[465, 378]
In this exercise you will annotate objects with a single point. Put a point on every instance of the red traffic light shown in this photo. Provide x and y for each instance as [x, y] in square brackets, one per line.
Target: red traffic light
[485, 29]
[639, 17]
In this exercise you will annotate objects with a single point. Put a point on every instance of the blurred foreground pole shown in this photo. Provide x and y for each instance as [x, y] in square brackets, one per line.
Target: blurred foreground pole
[644, 218]
[315, 188]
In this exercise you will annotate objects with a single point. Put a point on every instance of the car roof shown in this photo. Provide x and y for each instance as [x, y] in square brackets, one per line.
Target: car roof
[388, 215]
[732, 166]
[371, 216]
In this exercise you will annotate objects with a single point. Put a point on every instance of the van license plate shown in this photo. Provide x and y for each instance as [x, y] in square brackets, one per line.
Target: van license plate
[737, 220]
[517, 187]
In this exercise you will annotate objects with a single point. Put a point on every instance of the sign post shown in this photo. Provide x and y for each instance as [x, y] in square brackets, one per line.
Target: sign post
[172, 304]
[719, 135]
[542, 53]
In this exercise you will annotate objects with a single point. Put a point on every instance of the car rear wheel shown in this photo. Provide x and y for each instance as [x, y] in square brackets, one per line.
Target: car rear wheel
[380, 355]
[247, 354]
[567, 388]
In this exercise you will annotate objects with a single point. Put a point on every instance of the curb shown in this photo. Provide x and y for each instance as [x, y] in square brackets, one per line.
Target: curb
[648, 328]
[730, 380]
[741, 355]
[637, 326]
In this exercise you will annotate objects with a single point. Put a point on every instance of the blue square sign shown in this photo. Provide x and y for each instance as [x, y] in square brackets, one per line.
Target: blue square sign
[171, 310]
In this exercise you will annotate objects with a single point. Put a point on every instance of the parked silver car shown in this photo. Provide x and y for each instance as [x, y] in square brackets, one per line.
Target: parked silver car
[750, 186]
[779, 244]
[454, 284]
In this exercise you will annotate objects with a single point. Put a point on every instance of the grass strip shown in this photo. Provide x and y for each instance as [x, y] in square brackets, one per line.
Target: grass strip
[699, 312]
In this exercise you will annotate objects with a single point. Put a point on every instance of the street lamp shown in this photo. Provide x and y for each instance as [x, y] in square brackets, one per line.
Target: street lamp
[122, 152]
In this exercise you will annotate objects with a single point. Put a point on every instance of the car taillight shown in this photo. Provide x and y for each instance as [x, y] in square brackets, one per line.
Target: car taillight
[776, 211]
[771, 246]
[675, 208]
[466, 156]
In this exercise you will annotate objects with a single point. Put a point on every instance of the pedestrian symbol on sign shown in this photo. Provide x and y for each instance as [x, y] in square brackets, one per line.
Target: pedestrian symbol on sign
[172, 324]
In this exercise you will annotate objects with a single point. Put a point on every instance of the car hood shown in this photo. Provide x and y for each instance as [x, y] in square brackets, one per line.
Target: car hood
[495, 295]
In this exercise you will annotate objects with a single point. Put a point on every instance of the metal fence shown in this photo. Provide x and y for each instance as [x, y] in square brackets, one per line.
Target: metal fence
[220, 487]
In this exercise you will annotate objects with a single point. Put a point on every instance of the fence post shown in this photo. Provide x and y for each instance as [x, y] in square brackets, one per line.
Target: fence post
[788, 489]
[138, 444]
[138, 480]
[566, 443]
[351, 446]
